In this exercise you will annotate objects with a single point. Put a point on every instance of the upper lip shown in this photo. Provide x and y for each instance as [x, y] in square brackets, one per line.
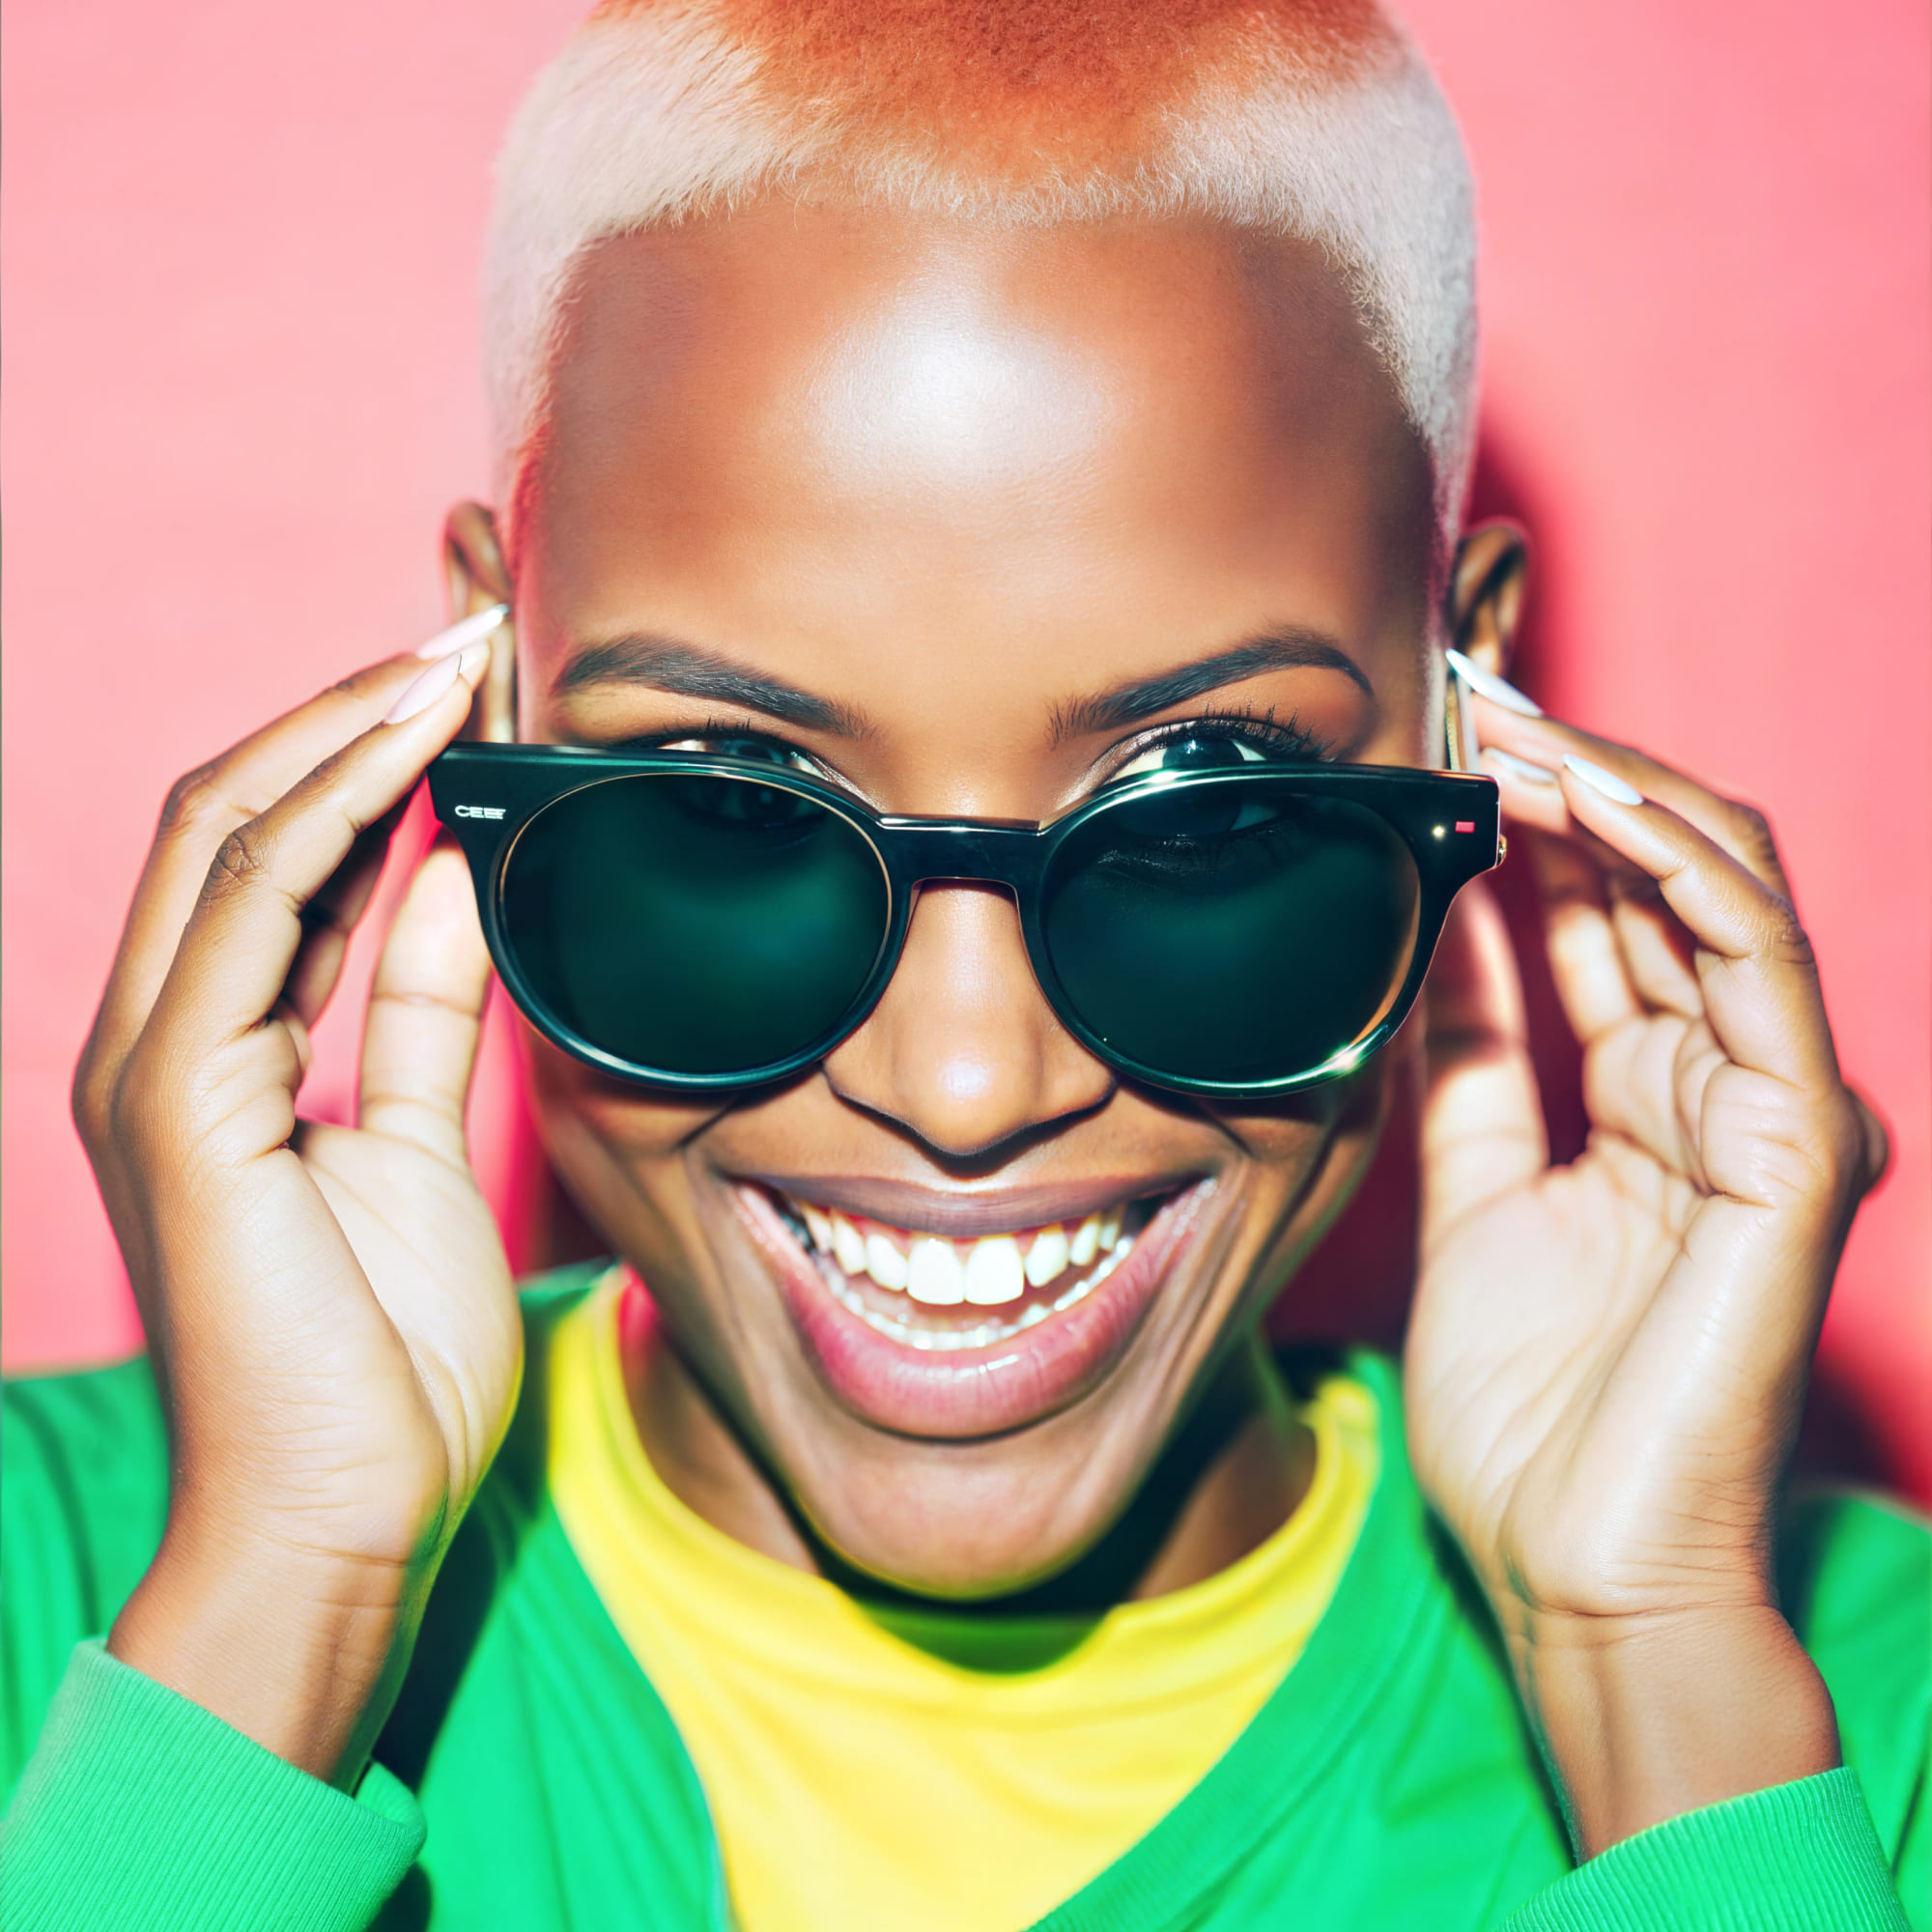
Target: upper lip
[962, 1214]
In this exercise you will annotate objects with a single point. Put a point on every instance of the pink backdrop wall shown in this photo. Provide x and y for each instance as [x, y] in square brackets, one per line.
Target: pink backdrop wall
[240, 249]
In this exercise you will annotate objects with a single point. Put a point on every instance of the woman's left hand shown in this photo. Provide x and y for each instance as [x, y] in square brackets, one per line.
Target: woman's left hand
[1608, 1360]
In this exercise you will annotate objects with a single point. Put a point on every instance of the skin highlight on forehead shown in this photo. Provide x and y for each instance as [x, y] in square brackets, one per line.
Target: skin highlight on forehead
[1016, 85]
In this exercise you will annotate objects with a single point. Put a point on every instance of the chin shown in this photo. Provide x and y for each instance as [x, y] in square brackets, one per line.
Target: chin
[947, 1434]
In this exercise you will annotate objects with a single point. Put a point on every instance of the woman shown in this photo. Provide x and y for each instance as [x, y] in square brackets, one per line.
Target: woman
[923, 424]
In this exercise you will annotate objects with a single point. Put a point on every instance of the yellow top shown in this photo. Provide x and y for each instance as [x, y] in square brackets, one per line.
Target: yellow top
[860, 1783]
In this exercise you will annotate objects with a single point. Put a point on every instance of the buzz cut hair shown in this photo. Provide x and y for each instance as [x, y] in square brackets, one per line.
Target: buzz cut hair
[1313, 119]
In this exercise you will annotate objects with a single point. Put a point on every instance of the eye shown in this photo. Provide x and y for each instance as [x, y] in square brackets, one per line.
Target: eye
[730, 744]
[1194, 751]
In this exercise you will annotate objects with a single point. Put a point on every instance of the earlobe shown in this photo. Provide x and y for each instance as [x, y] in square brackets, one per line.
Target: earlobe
[1486, 592]
[472, 560]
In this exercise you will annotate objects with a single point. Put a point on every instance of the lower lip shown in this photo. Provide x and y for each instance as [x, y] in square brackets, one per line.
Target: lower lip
[964, 1393]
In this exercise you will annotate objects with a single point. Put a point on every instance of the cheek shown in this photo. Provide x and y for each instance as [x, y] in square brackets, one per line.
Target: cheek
[1305, 1158]
[617, 1148]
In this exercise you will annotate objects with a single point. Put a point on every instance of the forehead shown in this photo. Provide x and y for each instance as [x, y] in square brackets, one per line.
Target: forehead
[922, 370]
[955, 478]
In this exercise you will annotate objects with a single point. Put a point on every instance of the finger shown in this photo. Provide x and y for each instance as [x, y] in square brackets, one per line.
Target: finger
[1658, 955]
[1615, 947]
[1646, 1081]
[1543, 743]
[202, 809]
[1755, 967]
[1587, 959]
[426, 1011]
[1482, 1123]
[242, 940]
[330, 917]
[1637, 1066]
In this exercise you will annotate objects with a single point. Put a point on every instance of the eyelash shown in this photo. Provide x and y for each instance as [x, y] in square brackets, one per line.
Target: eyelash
[1285, 740]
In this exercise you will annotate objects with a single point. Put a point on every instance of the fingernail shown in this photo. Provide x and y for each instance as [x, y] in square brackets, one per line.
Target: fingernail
[427, 686]
[1608, 784]
[1487, 684]
[1511, 766]
[465, 631]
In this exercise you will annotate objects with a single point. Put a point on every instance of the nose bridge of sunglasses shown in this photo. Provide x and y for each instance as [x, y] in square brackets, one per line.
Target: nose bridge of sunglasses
[987, 851]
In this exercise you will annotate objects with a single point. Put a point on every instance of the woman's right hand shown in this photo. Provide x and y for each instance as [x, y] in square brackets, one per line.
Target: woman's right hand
[331, 1316]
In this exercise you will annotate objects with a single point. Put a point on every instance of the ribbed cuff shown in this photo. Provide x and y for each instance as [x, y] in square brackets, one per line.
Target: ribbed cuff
[1797, 1858]
[144, 1812]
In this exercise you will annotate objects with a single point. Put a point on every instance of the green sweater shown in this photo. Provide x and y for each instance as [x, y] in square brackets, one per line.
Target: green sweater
[530, 1780]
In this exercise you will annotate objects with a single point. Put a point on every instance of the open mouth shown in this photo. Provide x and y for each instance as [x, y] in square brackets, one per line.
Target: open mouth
[928, 1291]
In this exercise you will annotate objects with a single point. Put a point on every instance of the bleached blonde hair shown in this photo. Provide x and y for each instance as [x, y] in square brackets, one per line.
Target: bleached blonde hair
[1316, 119]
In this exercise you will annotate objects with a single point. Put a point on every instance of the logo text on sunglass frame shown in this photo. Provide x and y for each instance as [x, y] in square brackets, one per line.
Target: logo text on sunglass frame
[479, 812]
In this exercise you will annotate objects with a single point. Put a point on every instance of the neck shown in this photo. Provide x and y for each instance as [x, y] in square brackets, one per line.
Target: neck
[1232, 1474]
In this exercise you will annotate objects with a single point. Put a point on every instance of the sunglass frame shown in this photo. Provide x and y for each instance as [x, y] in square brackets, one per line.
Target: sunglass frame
[487, 795]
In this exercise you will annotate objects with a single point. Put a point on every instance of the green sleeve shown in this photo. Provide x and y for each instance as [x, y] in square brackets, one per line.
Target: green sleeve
[1849, 1851]
[132, 1806]
[1854, 1576]
[142, 1812]
[1797, 1858]
[82, 1511]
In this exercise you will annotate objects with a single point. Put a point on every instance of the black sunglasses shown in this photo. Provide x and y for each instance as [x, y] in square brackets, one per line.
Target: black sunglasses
[697, 920]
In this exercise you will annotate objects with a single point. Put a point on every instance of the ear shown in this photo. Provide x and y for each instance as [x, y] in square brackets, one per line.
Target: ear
[1486, 592]
[472, 560]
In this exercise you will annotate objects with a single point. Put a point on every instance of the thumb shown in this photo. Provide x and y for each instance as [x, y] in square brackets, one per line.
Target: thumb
[425, 1012]
[1482, 1117]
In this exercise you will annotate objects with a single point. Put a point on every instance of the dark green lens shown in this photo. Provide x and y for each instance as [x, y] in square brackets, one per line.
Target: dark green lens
[695, 926]
[1231, 930]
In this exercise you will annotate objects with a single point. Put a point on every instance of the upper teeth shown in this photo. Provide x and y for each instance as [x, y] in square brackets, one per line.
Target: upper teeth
[1048, 1256]
[933, 1269]
[994, 1271]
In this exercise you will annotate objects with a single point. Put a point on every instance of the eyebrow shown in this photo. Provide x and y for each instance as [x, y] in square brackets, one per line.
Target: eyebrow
[664, 663]
[1286, 649]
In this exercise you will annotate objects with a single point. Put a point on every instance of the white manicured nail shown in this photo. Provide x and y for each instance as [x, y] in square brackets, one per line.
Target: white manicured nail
[1511, 766]
[1487, 684]
[468, 629]
[1608, 784]
[427, 687]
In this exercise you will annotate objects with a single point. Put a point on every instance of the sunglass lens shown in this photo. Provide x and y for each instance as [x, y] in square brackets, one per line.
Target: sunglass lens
[1230, 933]
[695, 926]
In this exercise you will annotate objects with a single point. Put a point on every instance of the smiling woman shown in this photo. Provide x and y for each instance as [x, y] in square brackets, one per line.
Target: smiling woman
[958, 698]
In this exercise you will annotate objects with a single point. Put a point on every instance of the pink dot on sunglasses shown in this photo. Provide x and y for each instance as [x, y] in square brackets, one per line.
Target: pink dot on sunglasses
[1465, 825]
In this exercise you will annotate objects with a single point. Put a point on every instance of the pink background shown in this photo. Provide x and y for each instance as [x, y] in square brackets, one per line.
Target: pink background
[240, 249]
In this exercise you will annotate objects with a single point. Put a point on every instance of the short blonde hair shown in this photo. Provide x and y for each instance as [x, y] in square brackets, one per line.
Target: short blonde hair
[1312, 118]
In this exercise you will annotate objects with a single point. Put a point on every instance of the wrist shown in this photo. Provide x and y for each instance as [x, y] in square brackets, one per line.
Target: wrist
[1655, 1713]
[298, 1650]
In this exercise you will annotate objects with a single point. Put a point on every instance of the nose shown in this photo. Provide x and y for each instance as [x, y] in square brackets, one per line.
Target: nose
[963, 1050]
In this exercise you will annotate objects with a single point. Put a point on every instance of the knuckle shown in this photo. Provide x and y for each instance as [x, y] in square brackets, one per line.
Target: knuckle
[91, 1099]
[1789, 942]
[1841, 1139]
[195, 798]
[1751, 831]
[238, 859]
[121, 1107]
